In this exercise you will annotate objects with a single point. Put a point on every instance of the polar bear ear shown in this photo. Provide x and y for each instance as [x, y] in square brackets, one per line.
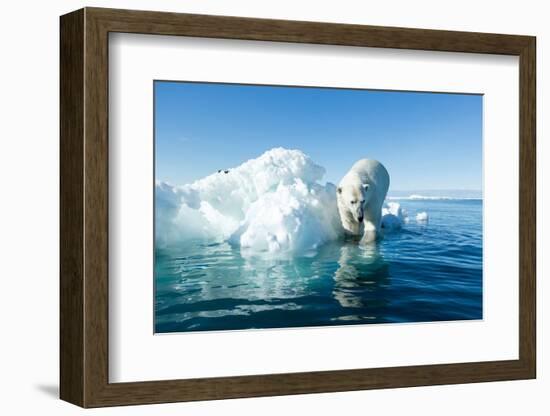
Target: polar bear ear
[339, 189]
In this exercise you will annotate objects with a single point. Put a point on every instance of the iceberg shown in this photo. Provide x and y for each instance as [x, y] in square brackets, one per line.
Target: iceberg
[393, 216]
[273, 203]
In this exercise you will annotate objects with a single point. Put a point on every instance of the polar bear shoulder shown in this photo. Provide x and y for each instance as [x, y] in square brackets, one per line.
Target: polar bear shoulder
[370, 171]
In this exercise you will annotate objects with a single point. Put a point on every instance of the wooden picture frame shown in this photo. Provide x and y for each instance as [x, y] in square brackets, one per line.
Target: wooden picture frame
[84, 207]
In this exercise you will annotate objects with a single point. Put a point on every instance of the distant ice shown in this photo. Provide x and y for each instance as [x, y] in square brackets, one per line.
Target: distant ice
[414, 197]
[272, 203]
[435, 195]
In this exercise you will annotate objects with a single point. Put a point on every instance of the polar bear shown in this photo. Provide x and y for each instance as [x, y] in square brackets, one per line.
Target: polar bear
[360, 196]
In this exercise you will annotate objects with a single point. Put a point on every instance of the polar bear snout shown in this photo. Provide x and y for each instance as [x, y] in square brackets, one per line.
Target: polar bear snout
[359, 214]
[358, 208]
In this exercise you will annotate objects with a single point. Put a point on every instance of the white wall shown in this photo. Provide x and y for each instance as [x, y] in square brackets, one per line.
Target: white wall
[29, 209]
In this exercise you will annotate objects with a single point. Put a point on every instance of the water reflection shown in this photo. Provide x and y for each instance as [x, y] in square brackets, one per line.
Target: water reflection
[362, 269]
[215, 281]
[221, 272]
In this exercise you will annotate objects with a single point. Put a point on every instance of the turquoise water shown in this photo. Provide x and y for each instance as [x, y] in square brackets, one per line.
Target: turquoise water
[421, 273]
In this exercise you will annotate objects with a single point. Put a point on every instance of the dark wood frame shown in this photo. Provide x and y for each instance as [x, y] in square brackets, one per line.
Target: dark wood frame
[84, 207]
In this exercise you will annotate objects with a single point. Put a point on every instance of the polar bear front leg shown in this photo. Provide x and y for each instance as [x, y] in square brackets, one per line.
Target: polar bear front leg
[369, 232]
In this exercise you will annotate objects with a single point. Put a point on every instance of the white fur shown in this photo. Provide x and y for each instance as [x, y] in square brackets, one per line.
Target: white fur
[360, 195]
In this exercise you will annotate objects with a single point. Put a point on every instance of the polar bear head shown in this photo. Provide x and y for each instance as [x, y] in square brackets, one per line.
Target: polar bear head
[352, 199]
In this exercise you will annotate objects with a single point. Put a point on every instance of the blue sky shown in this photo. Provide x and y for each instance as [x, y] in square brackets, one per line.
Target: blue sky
[425, 140]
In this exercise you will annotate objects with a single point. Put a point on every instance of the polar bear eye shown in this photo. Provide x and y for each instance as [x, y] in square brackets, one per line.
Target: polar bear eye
[362, 201]
[353, 202]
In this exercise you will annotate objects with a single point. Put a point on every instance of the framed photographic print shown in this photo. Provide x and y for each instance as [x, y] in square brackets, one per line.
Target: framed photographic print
[255, 207]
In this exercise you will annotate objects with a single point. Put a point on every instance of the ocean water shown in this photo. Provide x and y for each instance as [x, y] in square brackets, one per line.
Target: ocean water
[423, 272]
